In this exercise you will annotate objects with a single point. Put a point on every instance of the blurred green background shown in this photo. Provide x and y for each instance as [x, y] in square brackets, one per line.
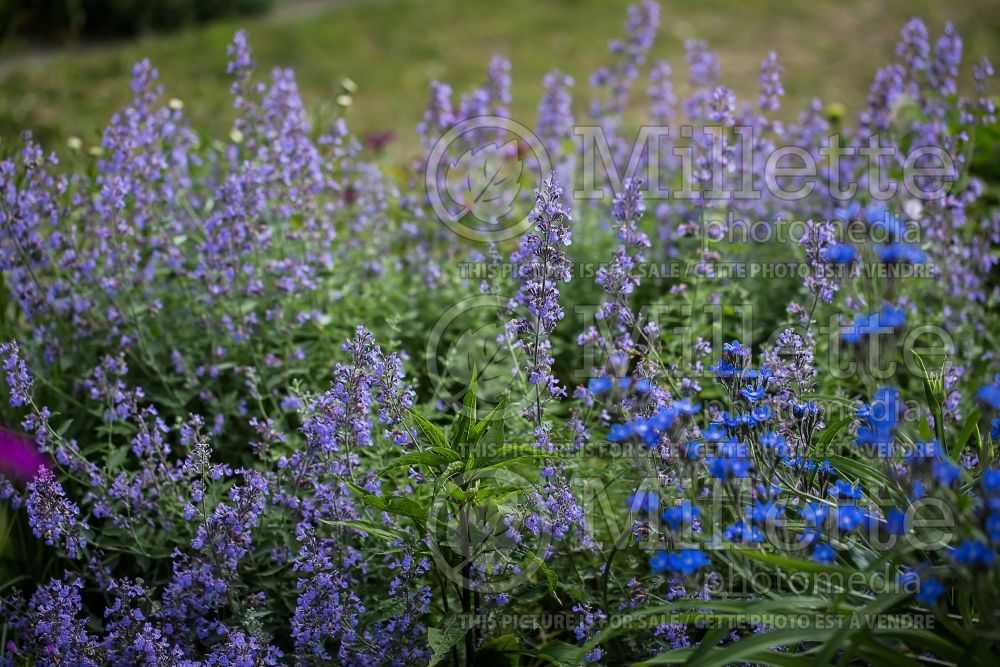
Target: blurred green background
[63, 86]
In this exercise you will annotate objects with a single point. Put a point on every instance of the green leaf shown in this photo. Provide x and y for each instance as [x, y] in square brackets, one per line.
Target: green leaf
[986, 451]
[385, 610]
[503, 643]
[502, 651]
[510, 455]
[428, 458]
[442, 638]
[934, 400]
[469, 400]
[876, 653]
[559, 653]
[829, 433]
[870, 477]
[479, 429]
[406, 507]
[925, 640]
[369, 527]
[709, 642]
[826, 437]
[971, 426]
[461, 430]
[753, 648]
[391, 504]
[551, 578]
[845, 636]
[788, 563]
[454, 469]
[430, 432]
[447, 453]
[924, 429]
[496, 492]
[117, 457]
[367, 498]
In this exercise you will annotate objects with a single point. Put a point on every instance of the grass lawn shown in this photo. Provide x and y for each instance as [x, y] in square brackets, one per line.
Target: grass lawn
[392, 48]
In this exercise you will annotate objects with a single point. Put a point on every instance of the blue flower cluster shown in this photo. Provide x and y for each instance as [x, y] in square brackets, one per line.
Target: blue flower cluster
[885, 321]
[879, 420]
[989, 394]
[684, 562]
[650, 430]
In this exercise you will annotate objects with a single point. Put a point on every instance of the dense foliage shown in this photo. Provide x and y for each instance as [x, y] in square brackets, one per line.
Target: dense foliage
[277, 413]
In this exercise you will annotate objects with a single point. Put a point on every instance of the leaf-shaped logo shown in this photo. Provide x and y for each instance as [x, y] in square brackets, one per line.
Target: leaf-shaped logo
[478, 349]
[485, 181]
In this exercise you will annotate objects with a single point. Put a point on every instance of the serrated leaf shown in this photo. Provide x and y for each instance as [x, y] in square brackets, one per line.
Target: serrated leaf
[431, 433]
[406, 507]
[117, 457]
[494, 417]
[441, 639]
[427, 458]
[391, 504]
[551, 578]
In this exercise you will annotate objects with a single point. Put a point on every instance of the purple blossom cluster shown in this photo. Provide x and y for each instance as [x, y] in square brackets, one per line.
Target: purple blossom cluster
[542, 265]
[230, 471]
[52, 517]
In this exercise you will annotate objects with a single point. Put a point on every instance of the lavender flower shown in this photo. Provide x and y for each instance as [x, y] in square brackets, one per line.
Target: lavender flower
[943, 71]
[131, 638]
[914, 47]
[240, 649]
[771, 89]
[52, 516]
[821, 282]
[663, 101]
[640, 28]
[51, 629]
[792, 361]
[326, 609]
[498, 86]
[619, 279]
[438, 116]
[19, 381]
[541, 265]
[554, 126]
[226, 533]
[705, 75]
[981, 74]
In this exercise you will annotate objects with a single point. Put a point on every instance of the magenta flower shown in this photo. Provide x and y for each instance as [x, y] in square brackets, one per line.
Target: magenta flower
[19, 458]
